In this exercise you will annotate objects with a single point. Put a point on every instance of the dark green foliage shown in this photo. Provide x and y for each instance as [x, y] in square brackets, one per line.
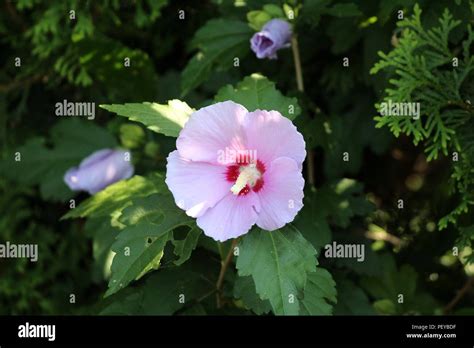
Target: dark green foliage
[434, 68]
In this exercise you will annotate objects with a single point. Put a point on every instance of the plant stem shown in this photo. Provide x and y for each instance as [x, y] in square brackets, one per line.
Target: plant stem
[300, 85]
[20, 83]
[385, 236]
[463, 291]
[296, 58]
[219, 248]
[224, 265]
[463, 105]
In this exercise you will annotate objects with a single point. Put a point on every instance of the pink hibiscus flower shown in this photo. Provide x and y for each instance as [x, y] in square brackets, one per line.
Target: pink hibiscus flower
[233, 169]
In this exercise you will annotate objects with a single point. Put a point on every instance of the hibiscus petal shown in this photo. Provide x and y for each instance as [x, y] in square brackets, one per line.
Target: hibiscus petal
[212, 130]
[99, 170]
[281, 196]
[196, 186]
[275, 34]
[232, 217]
[279, 30]
[96, 157]
[272, 136]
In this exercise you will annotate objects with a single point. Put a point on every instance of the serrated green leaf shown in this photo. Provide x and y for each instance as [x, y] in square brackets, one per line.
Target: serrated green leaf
[139, 247]
[160, 118]
[184, 248]
[389, 285]
[163, 293]
[125, 302]
[173, 289]
[45, 166]
[257, 92]
[337, 202]
[351, 299]
[244, 289]
[278, 262]
[341, 200]
[219, 42]
[319, 290]
[346, 134]
[312, 221]
[116, 197]
[99, 62]
[395, 283]
[103, 236]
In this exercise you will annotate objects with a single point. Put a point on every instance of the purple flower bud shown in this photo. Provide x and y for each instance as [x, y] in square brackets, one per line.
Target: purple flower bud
[99, 170]
[274, 35]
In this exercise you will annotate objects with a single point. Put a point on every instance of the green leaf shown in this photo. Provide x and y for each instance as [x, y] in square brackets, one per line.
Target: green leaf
[341, 200]
[160, 118]
[103, 236]
[278, 262]
[392, 282]
[125, 302]
[99, 63]
[337, 202]
[313, 11]
[139, 247]
[395, 282]
[312, 221]
[162, 293]
[349, 133]
[274, 10]
[244, 289]
[369, 266]
[42, 165]
[385, 306]
[257, 92]
[132, 136]
[219, 42]
[344, 10]
[152, 11]
[257, 19]
[166, 288]
[116, 197]
[319, 289]
[184, 248]
[352, 300]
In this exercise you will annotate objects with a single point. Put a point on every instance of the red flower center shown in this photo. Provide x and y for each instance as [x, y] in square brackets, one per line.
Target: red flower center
[246, 177]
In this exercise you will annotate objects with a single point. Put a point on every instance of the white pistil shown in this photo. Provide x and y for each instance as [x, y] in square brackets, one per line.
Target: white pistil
[248, 176]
